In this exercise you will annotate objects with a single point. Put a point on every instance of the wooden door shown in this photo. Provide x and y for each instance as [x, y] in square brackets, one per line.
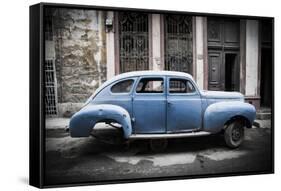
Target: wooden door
[223, 54]
[215, 70]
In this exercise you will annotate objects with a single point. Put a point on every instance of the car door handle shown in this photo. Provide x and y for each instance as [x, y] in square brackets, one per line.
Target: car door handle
[169, 103]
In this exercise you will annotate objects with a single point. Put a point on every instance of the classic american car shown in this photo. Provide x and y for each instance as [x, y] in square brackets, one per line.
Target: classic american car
[161, 105]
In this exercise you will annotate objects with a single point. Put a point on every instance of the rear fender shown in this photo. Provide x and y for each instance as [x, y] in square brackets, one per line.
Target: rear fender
[217, 114]
[82, 122]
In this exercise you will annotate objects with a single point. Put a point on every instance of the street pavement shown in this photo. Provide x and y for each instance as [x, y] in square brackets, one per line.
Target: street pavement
[79, 160]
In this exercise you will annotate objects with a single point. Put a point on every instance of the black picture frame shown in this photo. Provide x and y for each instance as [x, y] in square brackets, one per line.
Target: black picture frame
[37, 130]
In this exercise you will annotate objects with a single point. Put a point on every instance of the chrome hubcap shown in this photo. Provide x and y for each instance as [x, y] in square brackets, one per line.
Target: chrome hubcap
[236, 134]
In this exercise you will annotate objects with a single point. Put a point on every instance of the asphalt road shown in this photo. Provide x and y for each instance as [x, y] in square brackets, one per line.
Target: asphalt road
[79, 160]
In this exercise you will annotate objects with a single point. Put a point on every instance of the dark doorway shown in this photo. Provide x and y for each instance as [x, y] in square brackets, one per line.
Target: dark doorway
[266, 63]
[266, 77]
[231, 72]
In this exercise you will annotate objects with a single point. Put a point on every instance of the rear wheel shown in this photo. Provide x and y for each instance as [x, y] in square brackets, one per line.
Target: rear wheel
[234, 134]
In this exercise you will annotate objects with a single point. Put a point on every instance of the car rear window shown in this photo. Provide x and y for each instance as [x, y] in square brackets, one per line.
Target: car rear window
[150, 85]
[122, 87]
[180, 86]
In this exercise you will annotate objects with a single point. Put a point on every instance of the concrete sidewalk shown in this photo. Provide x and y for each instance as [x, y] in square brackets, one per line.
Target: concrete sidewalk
[62, 123]
[57, 123]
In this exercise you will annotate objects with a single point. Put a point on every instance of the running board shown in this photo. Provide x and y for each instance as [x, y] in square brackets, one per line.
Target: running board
[169, 136]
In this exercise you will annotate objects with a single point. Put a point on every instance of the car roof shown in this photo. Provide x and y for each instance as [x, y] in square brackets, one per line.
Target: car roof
[142, 73]
[151, 73]
[147, 73]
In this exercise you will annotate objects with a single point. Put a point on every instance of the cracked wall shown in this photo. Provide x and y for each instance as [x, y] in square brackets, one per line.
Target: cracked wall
[80, 50]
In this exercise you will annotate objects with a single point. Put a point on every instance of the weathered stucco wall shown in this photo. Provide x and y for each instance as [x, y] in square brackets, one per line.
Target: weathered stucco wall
[157, 60]
[199, 53]
[252, 39]
[110, 49]
[80, 55]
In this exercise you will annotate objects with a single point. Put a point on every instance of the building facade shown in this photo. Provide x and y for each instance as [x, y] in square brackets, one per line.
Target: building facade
[87, 47]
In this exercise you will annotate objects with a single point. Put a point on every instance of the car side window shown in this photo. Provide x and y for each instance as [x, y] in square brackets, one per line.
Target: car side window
[122, 87]
[180, 86]
[150, 85]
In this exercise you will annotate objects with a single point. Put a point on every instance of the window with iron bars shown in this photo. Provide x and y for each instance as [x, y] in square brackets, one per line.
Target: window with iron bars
[48, 19]
[50, 89]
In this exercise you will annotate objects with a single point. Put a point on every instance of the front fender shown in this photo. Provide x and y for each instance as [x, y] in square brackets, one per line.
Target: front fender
[217, 114]
[82, 122]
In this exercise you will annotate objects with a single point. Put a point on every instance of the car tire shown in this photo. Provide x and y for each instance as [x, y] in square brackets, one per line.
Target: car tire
[234, 134]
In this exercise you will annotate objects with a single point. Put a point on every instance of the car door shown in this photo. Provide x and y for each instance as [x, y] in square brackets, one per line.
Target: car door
[184, 108]
[149, 105]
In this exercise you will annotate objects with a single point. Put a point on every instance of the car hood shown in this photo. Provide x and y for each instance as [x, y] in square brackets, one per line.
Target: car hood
[222, 95]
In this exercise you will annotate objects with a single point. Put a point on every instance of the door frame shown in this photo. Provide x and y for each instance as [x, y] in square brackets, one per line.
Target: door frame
[163, 42]
[223, 52]
[241, 49]
[117, 45]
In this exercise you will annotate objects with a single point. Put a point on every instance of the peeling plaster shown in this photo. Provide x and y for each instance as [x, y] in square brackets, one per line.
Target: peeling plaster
[80, 53]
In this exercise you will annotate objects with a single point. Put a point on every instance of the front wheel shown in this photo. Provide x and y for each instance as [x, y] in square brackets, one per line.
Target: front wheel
[234, 134]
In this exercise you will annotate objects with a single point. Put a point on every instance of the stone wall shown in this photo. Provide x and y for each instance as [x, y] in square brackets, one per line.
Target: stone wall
[80, 47]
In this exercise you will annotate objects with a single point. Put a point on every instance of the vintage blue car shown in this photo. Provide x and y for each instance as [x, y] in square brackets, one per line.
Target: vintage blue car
[164, 104]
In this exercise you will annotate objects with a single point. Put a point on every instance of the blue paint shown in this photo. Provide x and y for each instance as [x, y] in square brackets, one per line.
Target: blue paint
[161, 113]
[83, 121]
[217, 114]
